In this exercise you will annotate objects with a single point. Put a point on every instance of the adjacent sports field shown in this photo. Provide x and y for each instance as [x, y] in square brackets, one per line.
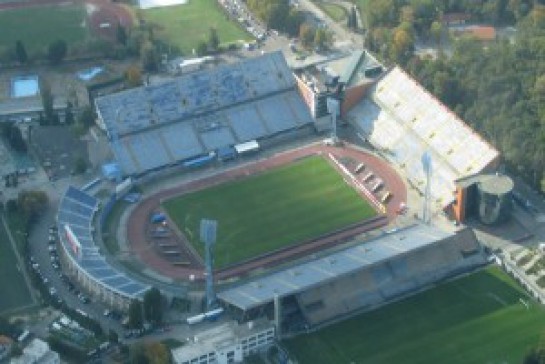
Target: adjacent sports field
[38, 26]
[278, 208]
[184, 26]
[477, 319]
[14, 291]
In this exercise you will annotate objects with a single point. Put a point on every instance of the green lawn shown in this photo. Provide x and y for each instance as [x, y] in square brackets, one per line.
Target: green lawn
[280, 207]
[476, 319]
[12, 284]
[36, 27]
[334, 11]
[183, 26]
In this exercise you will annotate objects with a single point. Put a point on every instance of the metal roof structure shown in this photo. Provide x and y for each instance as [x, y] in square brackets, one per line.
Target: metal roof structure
[76, 211]
[401, 119]
[153, 126]
[316, 272]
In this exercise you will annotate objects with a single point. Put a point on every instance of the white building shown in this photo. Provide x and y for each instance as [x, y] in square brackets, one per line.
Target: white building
[37, 352]
[226, 343]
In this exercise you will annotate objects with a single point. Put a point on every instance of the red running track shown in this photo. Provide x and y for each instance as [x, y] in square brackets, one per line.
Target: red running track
[137, 224]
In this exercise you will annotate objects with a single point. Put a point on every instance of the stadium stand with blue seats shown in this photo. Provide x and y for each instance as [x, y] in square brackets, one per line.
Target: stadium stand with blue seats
[76, 211]
[210, 109]
[401, 119]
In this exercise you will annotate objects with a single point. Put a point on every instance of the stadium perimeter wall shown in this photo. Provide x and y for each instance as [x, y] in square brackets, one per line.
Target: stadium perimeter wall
[392, 279]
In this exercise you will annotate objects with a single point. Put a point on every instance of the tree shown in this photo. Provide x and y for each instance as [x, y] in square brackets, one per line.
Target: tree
[87, 117]
[32, 204]
[535, 356]
[121, 34]
[14, 137]
[353, 18]
[113, 337]
[133, 75]
[436, 29]
[135, 314]
[202, 48]
[149, 57]
[320, 39]
[402, 46]
[47, 101]
[306, 35]
[20, 52]
[57, 51]
[153, 306]
[149, 353]
[80, 165]
[69, 114]
[213, 39]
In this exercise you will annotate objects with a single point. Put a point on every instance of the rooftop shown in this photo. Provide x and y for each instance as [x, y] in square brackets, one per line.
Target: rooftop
[217, 338]
[490, 183]
[318, 271]
[357, 68]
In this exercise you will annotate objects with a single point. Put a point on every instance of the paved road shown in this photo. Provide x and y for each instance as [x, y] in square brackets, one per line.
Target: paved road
[38, 241]
[342, 35]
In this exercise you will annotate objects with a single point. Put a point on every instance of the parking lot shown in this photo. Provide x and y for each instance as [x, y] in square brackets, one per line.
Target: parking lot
[58, 149]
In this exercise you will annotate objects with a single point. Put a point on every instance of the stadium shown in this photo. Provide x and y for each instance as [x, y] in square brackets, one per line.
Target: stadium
[313, 229]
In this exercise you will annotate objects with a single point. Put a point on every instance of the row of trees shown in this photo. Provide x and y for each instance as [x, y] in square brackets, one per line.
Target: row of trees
[56, 51]
[319, 38]
[277, 14]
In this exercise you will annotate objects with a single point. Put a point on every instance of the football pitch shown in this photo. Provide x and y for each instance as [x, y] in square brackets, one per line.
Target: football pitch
[475, 319]
[271, 210]
[184, 26]
[12, 284]
[38, 26]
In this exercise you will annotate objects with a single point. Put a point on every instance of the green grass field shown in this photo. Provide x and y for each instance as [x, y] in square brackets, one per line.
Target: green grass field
[184, 26]
[476, 319]
[36, 27]
[12, 284]
[335, 11]
[280, 207]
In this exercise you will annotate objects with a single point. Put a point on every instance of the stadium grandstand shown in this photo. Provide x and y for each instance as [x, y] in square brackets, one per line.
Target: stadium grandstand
[359, 277]
[198, 114]
[81, 256]
[403, 121]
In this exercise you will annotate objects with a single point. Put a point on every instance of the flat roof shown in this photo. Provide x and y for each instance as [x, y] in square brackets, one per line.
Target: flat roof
[489, 183]
[295, 279]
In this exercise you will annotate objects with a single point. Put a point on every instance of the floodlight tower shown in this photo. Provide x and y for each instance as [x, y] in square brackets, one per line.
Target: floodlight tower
[334, 109]
[208, 232]
[426, 165]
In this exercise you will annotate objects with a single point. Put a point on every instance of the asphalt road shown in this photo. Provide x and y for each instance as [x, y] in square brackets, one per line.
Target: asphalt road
[38, 241]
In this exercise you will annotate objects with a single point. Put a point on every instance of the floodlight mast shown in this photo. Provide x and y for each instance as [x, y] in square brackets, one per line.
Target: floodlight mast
[426, 165]
[333, 109]
[208, 232]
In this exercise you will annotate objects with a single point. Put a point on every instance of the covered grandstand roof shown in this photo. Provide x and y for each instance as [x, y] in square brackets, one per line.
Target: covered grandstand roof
[316, 272]
[76, 210]
[162, 124]
[403, 120]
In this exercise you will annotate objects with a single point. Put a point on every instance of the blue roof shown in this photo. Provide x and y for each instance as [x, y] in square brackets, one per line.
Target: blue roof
[315, 272]
[77, 210]
[154, 126]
